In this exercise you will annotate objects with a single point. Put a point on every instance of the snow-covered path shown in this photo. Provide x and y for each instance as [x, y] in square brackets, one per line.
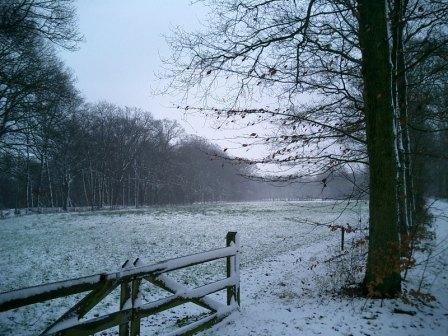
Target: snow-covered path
[286, 296]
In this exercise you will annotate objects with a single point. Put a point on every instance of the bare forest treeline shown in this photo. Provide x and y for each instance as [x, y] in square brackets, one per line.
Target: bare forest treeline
[103, 155]
[58, 151]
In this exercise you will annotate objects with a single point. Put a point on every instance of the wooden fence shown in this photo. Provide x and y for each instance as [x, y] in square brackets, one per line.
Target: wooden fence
[132, 310]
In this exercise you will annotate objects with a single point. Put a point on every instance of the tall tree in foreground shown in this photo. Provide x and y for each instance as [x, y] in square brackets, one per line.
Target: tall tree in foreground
[383, 263]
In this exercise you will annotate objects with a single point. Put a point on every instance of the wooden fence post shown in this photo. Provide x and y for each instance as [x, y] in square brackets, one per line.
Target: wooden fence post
[342, 238]
[135, 296]
[237, 269]
[125, 294]
[232, 266]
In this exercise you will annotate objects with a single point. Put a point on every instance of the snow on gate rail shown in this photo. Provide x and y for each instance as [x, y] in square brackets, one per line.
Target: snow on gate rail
[131, 308]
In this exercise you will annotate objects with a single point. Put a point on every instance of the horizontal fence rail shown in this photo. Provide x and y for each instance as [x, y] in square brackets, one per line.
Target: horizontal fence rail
[131, 310]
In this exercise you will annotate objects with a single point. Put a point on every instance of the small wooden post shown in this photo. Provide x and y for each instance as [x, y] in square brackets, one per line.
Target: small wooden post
[237, 268]
[135, 294]
[232, 266]
[125, 295]
[342, 238]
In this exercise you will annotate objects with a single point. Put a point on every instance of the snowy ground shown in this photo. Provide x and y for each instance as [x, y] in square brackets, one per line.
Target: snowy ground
[286, 288]
[290, 295]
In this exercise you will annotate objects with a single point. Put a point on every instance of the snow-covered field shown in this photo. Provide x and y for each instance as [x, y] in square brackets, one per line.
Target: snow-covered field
[285, 285]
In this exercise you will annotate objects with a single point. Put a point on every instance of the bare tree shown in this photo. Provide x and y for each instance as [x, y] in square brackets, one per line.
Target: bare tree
[308, 57]
[28, 31]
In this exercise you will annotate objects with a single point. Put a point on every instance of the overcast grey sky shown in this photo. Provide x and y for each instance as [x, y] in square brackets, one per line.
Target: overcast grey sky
[118, 60]
[121, 54]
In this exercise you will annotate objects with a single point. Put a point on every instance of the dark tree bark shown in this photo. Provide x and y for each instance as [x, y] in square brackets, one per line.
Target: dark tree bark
[383, 269]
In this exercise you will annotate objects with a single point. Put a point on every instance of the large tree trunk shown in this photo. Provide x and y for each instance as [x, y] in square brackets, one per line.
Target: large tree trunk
[399, 94]
[402, 95]
[382, 277]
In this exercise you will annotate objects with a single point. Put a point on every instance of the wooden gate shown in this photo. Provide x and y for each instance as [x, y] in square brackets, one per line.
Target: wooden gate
[132, 310]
